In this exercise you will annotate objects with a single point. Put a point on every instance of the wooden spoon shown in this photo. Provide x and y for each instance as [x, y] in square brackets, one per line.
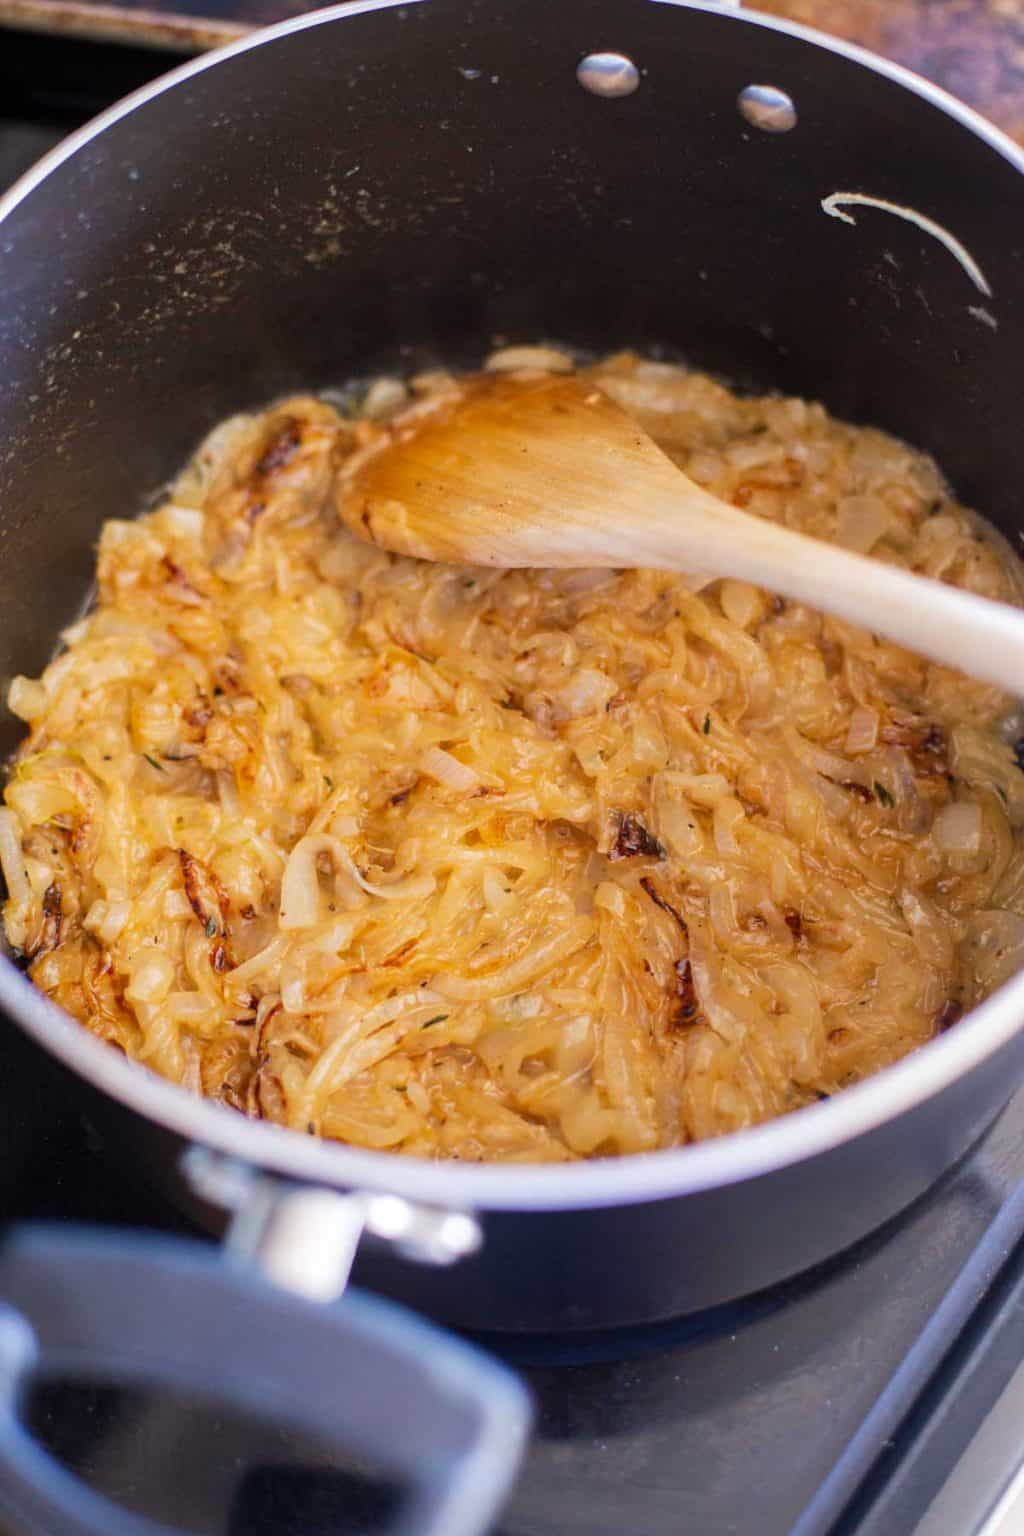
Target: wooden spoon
[545, 470]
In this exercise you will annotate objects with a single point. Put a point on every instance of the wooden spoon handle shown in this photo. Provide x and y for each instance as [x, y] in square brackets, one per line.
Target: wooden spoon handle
[549, 471]
[982, 638]
[695, 531]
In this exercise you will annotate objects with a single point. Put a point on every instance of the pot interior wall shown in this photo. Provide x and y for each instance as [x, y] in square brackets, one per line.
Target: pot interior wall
[404, 184]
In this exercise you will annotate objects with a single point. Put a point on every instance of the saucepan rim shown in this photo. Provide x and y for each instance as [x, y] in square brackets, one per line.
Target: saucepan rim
[742, 1155]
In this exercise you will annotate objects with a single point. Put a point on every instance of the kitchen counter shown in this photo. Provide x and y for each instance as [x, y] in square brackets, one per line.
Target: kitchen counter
[974, 48]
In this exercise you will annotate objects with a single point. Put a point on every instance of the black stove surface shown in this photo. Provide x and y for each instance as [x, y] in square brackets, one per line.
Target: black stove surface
[750, 1420]
[731, 1422]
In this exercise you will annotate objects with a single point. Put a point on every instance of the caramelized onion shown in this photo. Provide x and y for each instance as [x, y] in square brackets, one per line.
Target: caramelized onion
[446, 769]
[862, 732]
[957, 827]
[12, 860]
[512, 865]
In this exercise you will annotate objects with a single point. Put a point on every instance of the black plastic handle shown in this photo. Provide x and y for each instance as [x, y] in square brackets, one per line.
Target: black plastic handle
[434, 1414]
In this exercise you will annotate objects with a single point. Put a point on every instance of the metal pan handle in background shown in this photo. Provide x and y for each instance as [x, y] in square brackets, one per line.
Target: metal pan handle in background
[436, 1416]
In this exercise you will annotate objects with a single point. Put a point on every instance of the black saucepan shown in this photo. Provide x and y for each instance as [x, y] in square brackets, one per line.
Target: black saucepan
[390, 184]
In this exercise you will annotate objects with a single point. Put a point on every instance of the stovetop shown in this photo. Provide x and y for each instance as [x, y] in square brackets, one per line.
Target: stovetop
[748, 1420]
[838, 1402]
[737, 1422]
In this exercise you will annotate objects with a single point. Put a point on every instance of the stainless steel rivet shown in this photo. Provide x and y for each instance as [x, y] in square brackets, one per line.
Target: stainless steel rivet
[767, 108]
[608, 74]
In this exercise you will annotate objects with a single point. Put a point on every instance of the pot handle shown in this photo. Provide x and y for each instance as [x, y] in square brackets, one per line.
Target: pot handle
[430, 1412]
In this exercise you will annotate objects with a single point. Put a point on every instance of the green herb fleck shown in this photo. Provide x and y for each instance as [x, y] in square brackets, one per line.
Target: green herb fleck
[884, 795]
[1001, 792]
[211, 927]
[218, 692]
[707, 725]
[328, 781]
[438, 1018]
[154, 764]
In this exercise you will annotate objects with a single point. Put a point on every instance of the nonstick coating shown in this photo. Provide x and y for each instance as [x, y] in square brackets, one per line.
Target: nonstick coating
[401, 184]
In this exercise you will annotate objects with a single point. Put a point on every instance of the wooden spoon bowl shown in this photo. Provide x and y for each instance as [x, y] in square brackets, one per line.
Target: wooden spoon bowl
[546, 470]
